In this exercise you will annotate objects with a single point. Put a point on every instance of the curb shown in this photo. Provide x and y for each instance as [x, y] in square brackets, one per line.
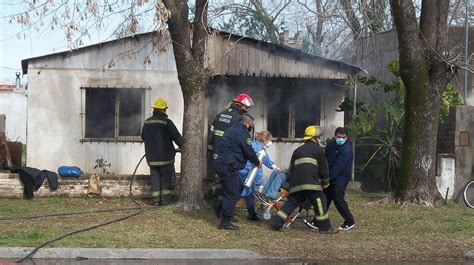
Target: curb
[133, 253]
[469, 256]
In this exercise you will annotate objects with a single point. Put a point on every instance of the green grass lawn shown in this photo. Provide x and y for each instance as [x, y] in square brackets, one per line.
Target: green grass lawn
[384, 232]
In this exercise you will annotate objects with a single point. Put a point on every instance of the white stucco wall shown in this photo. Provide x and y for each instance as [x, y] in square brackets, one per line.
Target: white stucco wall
[55, 126]
[13, 105]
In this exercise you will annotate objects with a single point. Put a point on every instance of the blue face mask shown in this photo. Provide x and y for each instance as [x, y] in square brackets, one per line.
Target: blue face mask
[340, 141]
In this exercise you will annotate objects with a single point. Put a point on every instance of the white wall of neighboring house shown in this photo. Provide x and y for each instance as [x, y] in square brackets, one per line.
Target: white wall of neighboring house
[13, 105]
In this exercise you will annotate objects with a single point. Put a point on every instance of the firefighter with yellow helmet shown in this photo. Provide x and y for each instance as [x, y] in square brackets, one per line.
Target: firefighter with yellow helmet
[158, 134]
[308, 176]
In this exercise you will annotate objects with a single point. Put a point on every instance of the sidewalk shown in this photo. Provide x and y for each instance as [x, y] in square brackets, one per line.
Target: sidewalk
[133, 253]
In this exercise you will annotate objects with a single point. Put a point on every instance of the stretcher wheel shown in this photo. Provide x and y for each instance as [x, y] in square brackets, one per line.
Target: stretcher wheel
[267, 215]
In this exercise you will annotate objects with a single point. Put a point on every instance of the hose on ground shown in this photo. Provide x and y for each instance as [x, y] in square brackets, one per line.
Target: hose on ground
[138, 210]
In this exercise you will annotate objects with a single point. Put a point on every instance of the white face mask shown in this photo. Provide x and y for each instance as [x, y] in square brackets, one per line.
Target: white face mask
[268, 144]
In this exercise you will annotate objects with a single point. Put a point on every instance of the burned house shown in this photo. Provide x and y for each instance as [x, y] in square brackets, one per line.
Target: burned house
[90, 103]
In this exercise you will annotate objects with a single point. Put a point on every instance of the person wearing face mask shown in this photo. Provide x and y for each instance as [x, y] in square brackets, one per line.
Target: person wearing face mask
[222, 121]
[234, 149]
[227, 118]
[262, 141]
[339, 155]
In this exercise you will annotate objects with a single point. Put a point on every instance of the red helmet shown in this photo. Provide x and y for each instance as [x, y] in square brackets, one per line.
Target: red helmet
[244, 99]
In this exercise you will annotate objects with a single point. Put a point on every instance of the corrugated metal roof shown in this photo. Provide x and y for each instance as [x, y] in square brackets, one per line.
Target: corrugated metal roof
[294, 54]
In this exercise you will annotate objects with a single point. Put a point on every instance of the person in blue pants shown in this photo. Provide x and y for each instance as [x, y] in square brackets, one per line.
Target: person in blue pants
[234, 149]
[262, 141]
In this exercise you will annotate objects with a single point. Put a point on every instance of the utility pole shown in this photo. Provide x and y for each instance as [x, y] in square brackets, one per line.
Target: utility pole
[466, 50]
[354, 112]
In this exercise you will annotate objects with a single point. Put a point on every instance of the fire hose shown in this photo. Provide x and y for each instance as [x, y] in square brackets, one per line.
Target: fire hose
[138, 210]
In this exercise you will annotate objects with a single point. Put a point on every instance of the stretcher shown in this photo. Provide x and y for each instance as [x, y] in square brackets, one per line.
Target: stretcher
[267, 205]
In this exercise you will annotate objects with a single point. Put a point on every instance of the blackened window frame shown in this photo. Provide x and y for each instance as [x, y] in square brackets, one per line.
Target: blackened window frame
[116, 91]
[293, 112]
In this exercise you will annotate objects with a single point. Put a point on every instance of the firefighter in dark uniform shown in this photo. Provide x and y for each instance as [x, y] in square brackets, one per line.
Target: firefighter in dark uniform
[308, 176]
[222, 122]
[235, 148]
[158, 134]
[227, 118]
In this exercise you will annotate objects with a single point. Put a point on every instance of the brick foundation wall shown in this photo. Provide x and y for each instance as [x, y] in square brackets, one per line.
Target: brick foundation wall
[112, 186]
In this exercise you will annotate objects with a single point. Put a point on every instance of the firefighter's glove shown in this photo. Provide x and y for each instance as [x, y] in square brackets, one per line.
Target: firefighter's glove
[284, 193]
[325, 185]
[210, 153]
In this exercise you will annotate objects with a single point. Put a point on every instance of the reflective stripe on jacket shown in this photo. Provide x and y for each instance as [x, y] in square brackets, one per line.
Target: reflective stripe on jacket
[308, 168]
[235, 147]
[159, 133]
[222, 122]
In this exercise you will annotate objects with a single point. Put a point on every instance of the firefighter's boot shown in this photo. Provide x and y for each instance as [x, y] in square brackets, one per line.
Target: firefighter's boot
[226, 224]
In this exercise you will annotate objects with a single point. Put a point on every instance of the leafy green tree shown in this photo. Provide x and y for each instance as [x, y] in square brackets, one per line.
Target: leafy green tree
[378, 128]
[253, 18]
[426, 67]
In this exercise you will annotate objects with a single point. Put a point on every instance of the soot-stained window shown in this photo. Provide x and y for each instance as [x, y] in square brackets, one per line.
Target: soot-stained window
[114, 114]
[291, 111]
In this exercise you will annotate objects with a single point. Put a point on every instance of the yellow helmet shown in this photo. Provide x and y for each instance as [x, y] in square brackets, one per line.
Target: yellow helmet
[160, 104]
[312, 131]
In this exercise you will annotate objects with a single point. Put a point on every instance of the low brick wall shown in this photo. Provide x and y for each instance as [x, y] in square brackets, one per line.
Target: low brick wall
[112, 186]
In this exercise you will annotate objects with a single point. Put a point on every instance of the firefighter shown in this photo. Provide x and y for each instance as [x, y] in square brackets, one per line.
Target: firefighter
[158, 134]
[227, 118]
[222, 122]
[308, 176]
[235, 148]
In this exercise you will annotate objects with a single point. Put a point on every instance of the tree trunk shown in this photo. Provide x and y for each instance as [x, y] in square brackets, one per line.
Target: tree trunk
[193, 81]
[264, 17]
[191, 196]
[351, 17]
[375, 14]
[425, 75]
[318, 35]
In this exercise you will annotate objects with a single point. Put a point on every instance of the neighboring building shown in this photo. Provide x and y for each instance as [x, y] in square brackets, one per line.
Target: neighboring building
[13, 105]
[295, 42]
[373, 53]
[456, 135]
[90, 103]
